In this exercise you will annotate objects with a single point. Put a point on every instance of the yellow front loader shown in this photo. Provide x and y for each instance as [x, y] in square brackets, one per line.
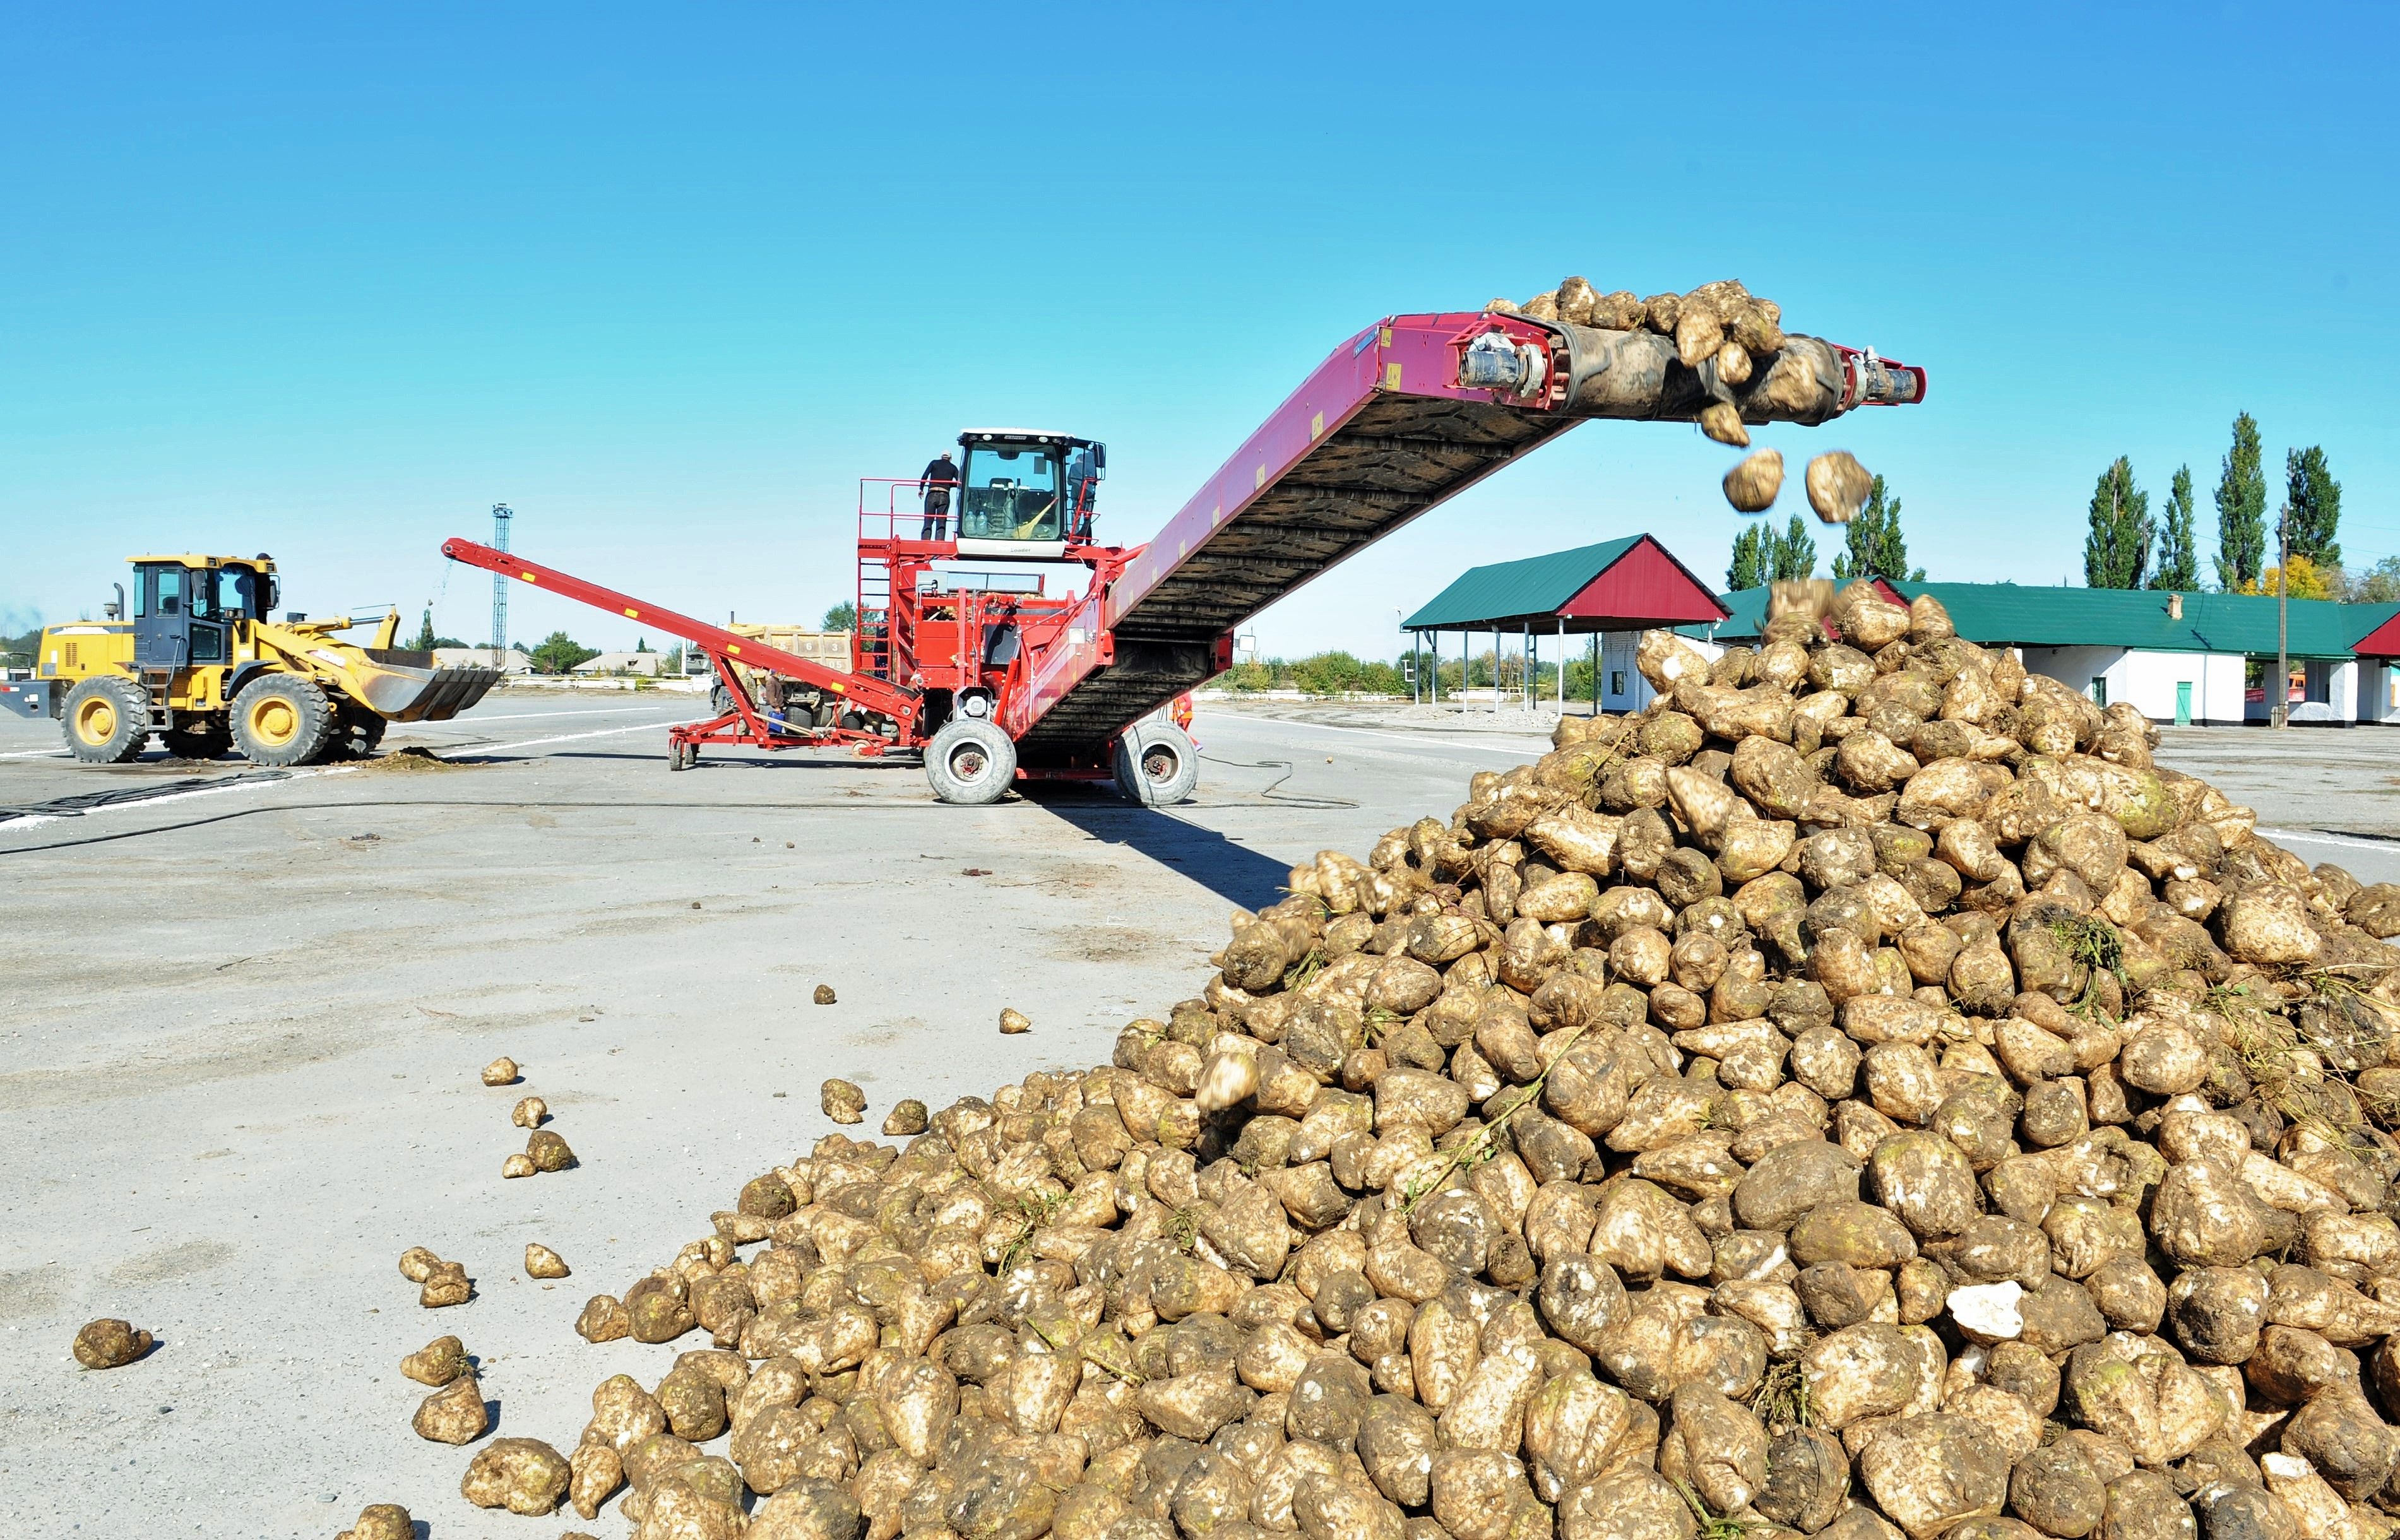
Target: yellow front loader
[200, 662]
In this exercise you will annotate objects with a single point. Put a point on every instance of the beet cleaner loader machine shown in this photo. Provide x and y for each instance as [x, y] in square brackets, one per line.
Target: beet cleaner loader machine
[995, 683]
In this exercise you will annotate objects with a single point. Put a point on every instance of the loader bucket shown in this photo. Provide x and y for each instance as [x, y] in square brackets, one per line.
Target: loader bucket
[405, 687]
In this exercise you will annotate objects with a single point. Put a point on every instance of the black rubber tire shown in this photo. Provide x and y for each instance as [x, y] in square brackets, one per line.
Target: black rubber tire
[971, 763]
[283, 720]
[1155, 764]
[356, 732]
[106, 720]
[212, 740]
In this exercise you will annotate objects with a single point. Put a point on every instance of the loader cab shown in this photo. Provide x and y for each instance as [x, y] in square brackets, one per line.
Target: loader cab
[186, 608]
[1027, 495]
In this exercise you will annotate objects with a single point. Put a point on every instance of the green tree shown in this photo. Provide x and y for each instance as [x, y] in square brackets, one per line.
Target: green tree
[560, 652]
[2312, 507]
[2178, 552]
[1872, 543]
[425, 637]
[2117, 546]
[1748, 568]
[842, 616]
[2241, 510]
[1793, 554]
[2379, 584]
[641, 644]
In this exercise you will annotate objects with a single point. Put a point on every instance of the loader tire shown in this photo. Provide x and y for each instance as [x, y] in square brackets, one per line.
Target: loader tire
[212, 740]
[106, 720]
[356, 732]
[970, 762]
[282, 721]
[1155, 764]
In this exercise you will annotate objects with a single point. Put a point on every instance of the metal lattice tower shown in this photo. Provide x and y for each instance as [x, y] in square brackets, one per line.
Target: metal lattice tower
[501, 514]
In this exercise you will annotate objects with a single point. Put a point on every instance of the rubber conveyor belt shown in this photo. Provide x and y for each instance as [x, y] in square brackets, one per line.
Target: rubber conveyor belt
[1382, 431]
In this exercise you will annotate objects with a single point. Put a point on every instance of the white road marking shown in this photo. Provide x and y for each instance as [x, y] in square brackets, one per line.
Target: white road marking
[34, 820]
[35, 754]
[469, 721]
[2384, 847]
[572, 737]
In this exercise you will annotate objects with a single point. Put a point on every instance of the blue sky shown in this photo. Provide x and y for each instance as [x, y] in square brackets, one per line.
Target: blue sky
[330, 281]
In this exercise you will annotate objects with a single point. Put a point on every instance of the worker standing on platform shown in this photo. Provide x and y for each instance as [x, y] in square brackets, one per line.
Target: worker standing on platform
[940, 476]
[1083, 488]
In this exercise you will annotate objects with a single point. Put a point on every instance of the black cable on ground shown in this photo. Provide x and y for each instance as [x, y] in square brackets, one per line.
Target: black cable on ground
[84, 801]
[1267, 792]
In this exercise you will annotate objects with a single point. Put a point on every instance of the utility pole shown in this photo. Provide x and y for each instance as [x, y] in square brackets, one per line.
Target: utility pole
[501, 514]
[2280, 714]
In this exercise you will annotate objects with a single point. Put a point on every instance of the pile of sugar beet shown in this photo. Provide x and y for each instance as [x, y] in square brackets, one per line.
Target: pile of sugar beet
[1858, 1095]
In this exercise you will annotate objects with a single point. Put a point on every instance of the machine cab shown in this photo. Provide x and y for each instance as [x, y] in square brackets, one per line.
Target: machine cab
[184, 607]
[1027, 495]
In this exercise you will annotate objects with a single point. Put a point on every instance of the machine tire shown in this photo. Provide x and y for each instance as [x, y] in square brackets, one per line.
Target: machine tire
[106, 720]
[1155, 764]
[283, 720]
[212, 740]
[970, 762]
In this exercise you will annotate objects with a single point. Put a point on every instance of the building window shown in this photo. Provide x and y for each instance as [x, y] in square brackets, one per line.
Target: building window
[1616, 681]
[2100, 690]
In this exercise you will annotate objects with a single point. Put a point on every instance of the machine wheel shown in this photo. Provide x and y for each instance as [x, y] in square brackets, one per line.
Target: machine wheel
[106, 719]
[209, 741]
[970, 762]
[283, 720]
[1155, 764]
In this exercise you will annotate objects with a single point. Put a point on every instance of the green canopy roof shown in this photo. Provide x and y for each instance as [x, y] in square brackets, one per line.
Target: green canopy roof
[1624, 583]
[2024, 615]
[1536, 585]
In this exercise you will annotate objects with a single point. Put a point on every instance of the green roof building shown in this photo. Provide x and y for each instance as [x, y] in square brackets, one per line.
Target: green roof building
[2185, 657]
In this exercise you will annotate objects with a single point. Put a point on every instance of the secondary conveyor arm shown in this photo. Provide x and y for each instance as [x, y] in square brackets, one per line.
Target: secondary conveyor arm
[1405, 415]
[866, 692]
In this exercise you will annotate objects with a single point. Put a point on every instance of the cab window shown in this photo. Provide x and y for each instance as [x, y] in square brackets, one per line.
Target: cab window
[1011, 493]
[238, 594]
[204, 595]
[170, 582]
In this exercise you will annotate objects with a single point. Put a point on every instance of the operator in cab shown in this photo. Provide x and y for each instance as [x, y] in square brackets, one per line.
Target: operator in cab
[941, 475]
[1082, 490]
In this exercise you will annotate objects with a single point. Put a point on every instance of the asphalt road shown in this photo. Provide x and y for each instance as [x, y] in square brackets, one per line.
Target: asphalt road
[239, 1047]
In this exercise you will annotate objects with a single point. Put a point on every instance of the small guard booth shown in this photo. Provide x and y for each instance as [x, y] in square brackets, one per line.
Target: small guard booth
[1604, 596]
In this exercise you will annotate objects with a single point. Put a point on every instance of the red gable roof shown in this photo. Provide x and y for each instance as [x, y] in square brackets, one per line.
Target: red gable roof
[2383, 642]
[1648, 585]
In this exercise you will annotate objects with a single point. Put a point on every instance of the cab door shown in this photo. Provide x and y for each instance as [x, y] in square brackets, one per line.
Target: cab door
[208, 615]
[162, 618]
